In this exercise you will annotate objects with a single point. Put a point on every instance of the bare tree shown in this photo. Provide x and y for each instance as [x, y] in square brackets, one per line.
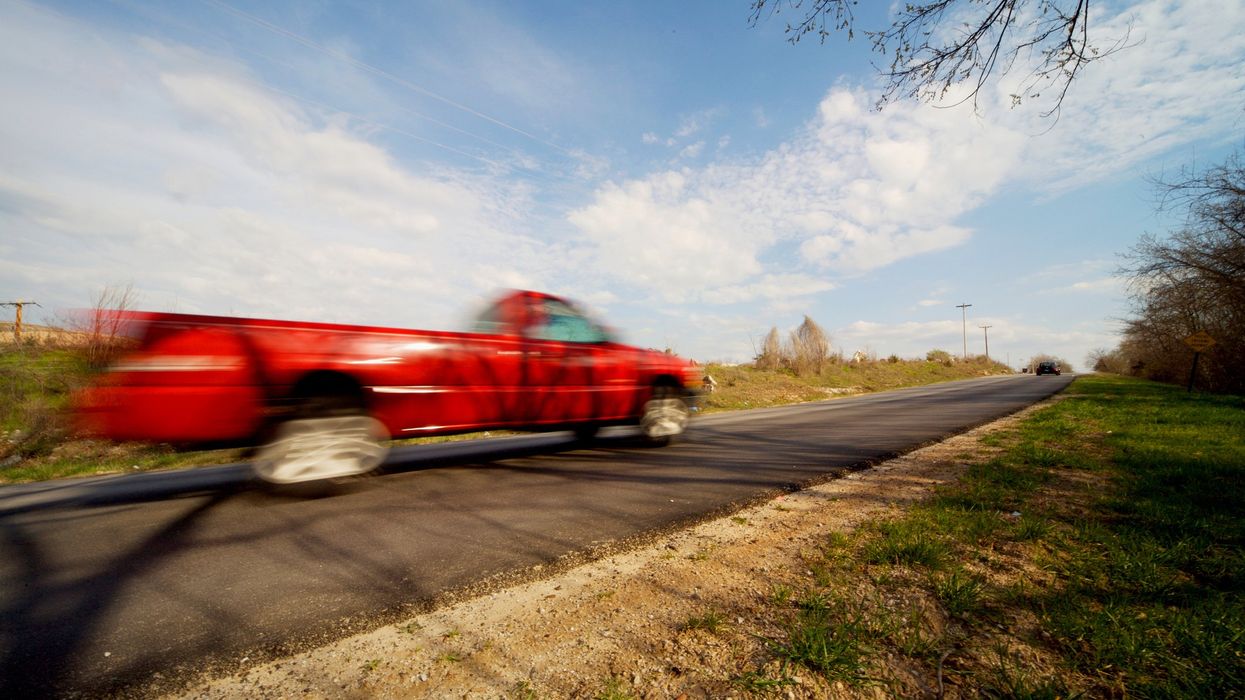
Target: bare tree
[1190, 281]
[810, 348]
[934, 46]
[103, 323]
[1107, 360]
[772, 354]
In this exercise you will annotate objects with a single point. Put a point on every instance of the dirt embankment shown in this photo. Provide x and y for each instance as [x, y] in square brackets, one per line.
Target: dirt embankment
[687, 616]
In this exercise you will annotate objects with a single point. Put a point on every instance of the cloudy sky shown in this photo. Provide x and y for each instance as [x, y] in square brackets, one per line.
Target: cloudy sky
[690, 178]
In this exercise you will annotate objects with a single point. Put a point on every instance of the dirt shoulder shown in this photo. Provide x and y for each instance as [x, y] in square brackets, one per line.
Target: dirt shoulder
[686, 616]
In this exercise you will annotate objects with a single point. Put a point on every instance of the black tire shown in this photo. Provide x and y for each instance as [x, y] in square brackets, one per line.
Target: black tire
[586, 432]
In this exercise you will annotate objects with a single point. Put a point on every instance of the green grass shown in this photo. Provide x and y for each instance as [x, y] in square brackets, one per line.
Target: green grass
[959, 592]
[35, 385]
[615, 689]
[907, 542]
[1113, 520]
[829, 636]
[710, 621]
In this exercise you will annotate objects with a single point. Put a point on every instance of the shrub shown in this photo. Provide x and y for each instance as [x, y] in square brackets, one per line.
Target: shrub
[773, 355]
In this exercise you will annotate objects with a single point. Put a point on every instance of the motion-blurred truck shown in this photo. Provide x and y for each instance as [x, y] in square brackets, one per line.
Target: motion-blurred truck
[321, 400]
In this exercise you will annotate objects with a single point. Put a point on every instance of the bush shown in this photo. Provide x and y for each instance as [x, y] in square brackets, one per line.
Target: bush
[773, 355]
[807, 351]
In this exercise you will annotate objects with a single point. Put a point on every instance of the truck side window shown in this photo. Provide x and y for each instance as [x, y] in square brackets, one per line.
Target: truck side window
[563, 323]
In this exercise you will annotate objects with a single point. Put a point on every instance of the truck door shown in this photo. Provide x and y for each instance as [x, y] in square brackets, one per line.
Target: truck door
[567, 364]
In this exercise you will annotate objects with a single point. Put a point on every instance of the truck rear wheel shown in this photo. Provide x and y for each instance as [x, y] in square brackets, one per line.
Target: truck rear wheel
[665, 415]
[329, 438]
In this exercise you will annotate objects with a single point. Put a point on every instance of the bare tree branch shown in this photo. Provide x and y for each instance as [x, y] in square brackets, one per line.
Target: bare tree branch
[935, 46]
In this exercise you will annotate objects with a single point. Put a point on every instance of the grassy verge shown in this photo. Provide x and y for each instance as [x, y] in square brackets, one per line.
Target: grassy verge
[1101, 553]
[745, 387]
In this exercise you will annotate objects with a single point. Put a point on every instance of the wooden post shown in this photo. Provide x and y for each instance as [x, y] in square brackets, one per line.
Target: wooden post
[17, 324]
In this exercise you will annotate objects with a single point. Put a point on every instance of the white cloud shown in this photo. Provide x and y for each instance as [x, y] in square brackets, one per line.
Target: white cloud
[1079, 268]
[855, 189]
[771, 287]
[692, 150]
[1180, 80]
[176, 172]
[1103, 285]
[691, 124]
[925, 303]
[665, 239]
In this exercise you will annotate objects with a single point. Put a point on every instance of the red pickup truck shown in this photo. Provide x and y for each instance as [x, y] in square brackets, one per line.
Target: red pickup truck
[320, 400]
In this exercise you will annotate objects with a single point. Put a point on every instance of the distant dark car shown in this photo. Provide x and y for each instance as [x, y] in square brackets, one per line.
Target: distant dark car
[1047, 368]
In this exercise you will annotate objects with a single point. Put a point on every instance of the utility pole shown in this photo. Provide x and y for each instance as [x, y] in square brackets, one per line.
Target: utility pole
[964, 325]
[986, 330]
[17, 325]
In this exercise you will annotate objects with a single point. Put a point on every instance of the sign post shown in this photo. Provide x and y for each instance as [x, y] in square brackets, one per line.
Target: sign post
[1200, 342]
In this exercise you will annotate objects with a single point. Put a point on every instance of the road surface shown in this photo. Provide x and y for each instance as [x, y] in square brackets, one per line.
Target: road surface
[136, 582]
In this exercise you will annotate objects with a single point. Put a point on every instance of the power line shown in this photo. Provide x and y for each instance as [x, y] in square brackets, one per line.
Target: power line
[376, 71]
[260, 84]
[986, 330]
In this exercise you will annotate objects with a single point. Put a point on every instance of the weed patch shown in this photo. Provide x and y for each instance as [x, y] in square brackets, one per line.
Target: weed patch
[827, 636]
[905, 542]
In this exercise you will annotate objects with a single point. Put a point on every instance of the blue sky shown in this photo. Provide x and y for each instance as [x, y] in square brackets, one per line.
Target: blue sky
[691, 179]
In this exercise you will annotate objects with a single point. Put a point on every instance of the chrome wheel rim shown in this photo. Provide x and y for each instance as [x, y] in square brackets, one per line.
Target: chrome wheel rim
[309, 449]
[664, 417]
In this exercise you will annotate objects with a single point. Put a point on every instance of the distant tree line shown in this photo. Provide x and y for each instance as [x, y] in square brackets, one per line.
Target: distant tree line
[807, 352]
[1190, 281]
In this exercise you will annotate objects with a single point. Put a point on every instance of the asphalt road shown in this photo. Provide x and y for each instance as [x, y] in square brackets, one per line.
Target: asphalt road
[123, 583]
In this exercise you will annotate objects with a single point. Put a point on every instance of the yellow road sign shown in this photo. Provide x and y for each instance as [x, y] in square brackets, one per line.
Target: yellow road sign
[1200, 341]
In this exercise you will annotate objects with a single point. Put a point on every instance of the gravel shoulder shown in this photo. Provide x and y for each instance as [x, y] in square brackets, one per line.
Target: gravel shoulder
[681, 616]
